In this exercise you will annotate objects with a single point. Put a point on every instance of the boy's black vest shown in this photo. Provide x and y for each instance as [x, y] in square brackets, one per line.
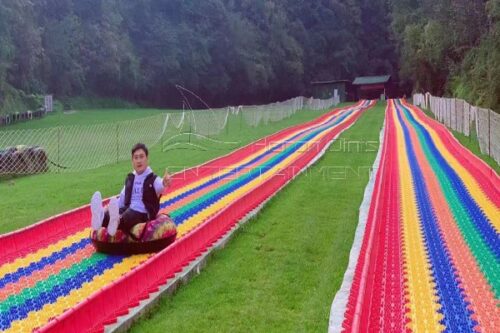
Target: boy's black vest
[149, 197]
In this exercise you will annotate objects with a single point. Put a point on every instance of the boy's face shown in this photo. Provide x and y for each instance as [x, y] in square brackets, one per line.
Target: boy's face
[139, 161]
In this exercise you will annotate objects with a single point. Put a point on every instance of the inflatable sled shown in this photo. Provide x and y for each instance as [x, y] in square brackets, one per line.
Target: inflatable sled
[152, 236]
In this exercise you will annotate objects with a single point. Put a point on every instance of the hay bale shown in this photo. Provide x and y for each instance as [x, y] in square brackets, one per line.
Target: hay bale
[6, 160]
[38, 158]
[23, 160]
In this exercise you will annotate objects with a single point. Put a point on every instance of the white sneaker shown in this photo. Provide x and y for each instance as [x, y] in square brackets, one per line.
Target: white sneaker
[114, 216]
[96, 210]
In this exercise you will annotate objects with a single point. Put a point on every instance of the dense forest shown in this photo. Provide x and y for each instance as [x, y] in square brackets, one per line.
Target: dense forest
[243, 51]
[450, 47]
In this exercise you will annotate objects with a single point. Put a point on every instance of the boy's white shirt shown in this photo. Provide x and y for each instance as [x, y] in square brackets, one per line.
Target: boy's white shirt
[136, 199]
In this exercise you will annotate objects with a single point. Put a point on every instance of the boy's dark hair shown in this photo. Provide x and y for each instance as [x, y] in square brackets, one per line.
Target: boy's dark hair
[138, 146]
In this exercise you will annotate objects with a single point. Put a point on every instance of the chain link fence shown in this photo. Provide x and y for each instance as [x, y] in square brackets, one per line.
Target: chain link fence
[74, 148]
[461, 116]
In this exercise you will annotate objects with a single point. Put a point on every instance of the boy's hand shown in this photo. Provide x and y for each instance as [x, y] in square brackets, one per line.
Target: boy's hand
[166, 178]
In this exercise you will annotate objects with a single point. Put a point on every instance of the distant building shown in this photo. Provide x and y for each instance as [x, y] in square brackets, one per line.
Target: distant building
[326, 89]
[372, 87]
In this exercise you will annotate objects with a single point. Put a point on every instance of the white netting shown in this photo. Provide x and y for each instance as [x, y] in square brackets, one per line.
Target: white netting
[255, 115]
[460, 116]
[69, 148]
[205, 122]
[320, 104]
[72, 148]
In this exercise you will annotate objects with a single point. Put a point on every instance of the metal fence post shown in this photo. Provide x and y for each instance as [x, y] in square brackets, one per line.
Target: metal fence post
[58, 147]
[161, 140]
[117, 144]
[241, 118]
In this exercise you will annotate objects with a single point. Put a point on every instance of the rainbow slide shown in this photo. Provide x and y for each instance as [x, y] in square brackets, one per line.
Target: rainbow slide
[428, 259]
[52, 280]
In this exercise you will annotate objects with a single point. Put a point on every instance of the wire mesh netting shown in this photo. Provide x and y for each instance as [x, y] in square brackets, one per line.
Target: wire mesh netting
[73, 148]
[459, 115]
[76, 147]
[256, 115]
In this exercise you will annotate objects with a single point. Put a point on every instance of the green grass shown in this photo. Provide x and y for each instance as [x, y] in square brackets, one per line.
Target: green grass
[85, 111]
[281, 271]
[26, 200]
[471, 142]
[92, 102]
[85, 117]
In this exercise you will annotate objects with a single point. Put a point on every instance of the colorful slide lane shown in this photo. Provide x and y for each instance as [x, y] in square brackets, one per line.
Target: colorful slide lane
[429, 257]
[52, 280]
